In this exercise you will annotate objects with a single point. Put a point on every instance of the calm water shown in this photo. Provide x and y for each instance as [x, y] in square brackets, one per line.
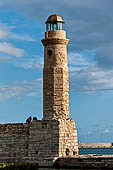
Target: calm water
[98, 151]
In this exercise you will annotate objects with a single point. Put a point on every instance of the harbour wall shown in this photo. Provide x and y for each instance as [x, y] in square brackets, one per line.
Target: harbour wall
[95, 145]
[85, 162]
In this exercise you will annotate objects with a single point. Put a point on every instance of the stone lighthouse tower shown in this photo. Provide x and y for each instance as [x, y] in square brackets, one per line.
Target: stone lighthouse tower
[55, 73]
[56, 86]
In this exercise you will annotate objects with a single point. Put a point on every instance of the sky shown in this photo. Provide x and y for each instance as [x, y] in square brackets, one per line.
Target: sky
[89, 26]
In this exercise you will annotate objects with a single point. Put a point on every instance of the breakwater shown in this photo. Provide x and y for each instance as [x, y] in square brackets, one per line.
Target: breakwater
[85, 162]
[95, 145]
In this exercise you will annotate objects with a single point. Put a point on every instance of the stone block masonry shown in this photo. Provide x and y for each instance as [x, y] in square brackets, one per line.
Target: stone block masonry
[42, 141]
[68, 144]
[14, 141]
[55, 76]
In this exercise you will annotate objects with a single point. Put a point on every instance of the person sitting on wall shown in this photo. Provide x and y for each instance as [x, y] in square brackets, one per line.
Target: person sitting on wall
[34, 118]
[28, 121]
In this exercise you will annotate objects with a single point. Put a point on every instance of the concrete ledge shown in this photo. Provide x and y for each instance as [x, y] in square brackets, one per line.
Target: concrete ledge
[89, 161]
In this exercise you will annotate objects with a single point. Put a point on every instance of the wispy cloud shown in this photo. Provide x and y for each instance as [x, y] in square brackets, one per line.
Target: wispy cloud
[23, 37]
[78, 61]
[6, 31]
[106, 131]
[86, 75]
[98, 135]
[91, 78]
[89, 133]
[36, 62]
[20, 89]
[9, 49]
[4, 58]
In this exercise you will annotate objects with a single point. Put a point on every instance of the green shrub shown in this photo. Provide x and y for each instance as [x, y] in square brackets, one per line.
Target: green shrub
[18, 166]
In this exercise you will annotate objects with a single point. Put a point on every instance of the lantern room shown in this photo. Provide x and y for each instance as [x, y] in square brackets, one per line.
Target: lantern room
[54, 22]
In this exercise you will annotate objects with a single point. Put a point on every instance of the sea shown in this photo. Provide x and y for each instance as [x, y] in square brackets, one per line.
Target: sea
[86, 151]
[97, 151]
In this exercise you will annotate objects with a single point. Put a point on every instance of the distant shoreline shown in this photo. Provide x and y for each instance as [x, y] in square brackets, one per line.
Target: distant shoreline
[95, 145]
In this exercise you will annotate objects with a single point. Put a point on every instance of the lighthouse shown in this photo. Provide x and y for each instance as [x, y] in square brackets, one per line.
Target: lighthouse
[56, 86]
[55, 72]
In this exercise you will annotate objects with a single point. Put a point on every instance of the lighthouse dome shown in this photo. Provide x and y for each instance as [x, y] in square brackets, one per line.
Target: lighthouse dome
[54, 18]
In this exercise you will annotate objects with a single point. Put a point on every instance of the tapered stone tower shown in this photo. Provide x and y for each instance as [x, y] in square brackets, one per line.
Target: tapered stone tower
[55, 73]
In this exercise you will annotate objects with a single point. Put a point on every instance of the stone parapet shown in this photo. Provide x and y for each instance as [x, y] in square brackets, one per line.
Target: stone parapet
[60, 34]
[55, 41]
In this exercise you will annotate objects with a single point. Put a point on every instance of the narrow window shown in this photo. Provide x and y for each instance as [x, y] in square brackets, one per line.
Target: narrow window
[48, 26]
[67, 152]
[58, 25]
[74, 153]
[52, 26]
[49, 53]
[55, 26]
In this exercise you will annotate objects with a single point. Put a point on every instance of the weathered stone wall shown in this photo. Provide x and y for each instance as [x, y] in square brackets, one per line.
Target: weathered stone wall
[95, 145]
[68, 144]
[14, 141]
[31, 143]
[42, 141]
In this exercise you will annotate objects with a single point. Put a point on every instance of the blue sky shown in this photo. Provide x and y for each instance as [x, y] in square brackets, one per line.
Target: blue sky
[90, 57]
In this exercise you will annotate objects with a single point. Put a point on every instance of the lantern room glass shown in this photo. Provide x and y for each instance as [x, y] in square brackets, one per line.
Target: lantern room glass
[51, 26]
